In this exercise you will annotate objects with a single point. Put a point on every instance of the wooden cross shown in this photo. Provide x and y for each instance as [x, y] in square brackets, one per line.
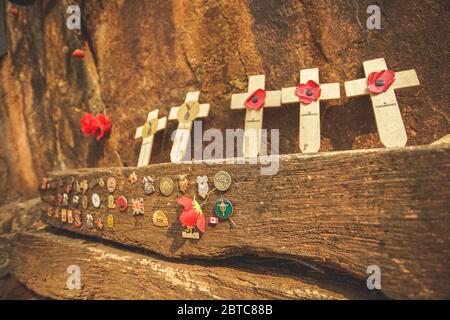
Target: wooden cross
[254, 118]
[309, 136]
[147, 132]
[190, 110]
[385, 107]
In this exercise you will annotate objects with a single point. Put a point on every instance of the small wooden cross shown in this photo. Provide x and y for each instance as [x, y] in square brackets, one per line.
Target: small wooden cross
[309, 136]
[254, 118]
[190, 110]
[385, 107]
[147, 132]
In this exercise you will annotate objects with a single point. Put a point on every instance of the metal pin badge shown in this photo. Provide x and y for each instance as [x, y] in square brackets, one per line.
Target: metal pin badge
[166, 186]
[122, 203]
[96, 201]
[111, 202]
[84, 202]
[133, 178]
[111, 184]
[183, 183]
[75, 200]
[77, 218]
[160, 219]
[147, 184]
[70, 216]
[110, 222]
[222, 181]
[138, 206]
[203, 186]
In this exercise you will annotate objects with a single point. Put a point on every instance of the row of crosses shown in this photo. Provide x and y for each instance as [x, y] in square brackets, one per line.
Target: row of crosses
[388, 118]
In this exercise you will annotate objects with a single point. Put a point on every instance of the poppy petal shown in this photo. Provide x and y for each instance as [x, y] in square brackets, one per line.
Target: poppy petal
[201, 223]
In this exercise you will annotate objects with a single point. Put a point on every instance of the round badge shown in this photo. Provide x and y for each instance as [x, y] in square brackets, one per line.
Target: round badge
[84, 202]
[223, 208]
[166, 186]
[122, 203]
[188, 111]
[150, 128]
[111, 184]
[96, 202]
[222, 181]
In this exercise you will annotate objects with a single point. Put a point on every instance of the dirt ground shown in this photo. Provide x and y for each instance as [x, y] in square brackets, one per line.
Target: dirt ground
[142, 55]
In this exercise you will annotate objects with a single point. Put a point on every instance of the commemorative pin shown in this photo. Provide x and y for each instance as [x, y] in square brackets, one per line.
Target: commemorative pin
[111, 184]
[147, 184]
[166, 186]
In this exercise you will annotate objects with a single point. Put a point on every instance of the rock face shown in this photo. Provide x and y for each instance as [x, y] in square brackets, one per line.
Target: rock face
[142, 55]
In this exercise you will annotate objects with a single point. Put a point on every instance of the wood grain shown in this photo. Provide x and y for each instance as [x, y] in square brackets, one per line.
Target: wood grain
[349, 210]
[40, 261]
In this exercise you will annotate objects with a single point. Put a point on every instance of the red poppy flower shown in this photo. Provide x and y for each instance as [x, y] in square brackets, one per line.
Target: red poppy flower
[379, 82]
[192, 214]
[256, 100]
[13, 11]
[78, 53]
[91, 126]
[308, 92]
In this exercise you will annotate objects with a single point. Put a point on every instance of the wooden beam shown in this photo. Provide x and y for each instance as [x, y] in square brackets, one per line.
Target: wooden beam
[349, 210]
[40, 260]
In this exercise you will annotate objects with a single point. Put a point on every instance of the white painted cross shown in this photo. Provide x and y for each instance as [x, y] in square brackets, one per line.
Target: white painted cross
[147, 133]
[309, 136]
[254, 118]
[385, 107]
[190, 110]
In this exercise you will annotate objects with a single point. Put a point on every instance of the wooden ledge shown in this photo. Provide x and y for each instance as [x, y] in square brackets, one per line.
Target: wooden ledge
[347, 210]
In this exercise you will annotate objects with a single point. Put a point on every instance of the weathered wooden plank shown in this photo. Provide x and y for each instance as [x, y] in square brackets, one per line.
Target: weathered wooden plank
[40, 261]
[349, 210]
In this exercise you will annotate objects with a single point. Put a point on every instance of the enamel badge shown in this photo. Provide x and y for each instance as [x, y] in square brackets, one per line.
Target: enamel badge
[63, 215]
[110, 222]
[96, 201]
[147, 184]
[160, 219]
[122, 203]
[223, 209]
[133, 178]
[111, 202]
[77, 218]
[99, 224]
[138, 206]
[70, 216]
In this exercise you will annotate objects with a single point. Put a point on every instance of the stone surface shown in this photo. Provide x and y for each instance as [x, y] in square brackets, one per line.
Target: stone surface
[147, 54]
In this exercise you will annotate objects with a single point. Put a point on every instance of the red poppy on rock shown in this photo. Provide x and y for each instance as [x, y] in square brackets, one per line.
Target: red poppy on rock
[192, 215]
[78, 53]
[13, 11]
[379, 82]
[256, 100]
[99, 126]
[308, 92]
